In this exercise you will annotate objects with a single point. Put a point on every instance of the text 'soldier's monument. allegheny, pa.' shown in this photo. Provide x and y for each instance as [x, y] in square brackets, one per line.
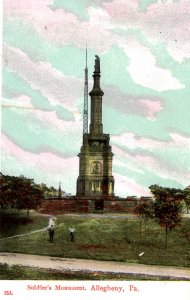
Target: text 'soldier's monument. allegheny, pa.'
[95, 158]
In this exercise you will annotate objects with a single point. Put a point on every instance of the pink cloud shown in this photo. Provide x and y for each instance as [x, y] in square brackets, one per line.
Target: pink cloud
[150, 161]
[131, 141]
[53, 84]
[126, 186]
[44, 162]
[96, 33]
[180, 141]
[137, 161]
[68, 29]
[22, 7]
[22, 101]
[53, 165]
[50, 120]
[123, 10]
[143, 67]
[169, 21]
[61, 27]
[164, 21]
[152, 107]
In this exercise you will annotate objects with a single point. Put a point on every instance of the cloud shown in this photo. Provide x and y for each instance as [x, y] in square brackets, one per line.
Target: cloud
[25, 8]
[152, 168]
[152, 107]
[45, 167]
[35, 130]
[44, 161]
[53, 84]
[133, 160]
[168, 21]
[51, 121]
[147, 155]
[131, 141]
[67, 29]
[145, 106]
[96, 33]
[180, 141]
[58, 88]
[143, 69]
[53, 165]
[122, 10]
[163, 21]
[126, 186]
[21, 101]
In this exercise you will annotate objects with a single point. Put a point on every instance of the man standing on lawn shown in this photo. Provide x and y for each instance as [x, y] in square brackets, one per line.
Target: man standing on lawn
[51, 231]
[71, 234]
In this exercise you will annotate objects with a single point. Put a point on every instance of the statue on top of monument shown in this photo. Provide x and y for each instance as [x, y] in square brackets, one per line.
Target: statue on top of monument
[97, 64]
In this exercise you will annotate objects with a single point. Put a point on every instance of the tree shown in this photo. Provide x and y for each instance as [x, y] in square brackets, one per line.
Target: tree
[34, 200]
[20, 192]
[145, 212]
[187, 198]
[45, 190]
[5, 191]
[51, 192]
[30, 195]
[167, 207]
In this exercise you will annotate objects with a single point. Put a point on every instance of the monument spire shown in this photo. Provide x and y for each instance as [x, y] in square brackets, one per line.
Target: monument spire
[96, 88]
[85, 111]
[95, 178]
[59, 191]
[96, 94]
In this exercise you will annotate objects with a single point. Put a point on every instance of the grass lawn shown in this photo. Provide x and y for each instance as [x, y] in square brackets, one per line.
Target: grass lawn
[102, 239]
[12, 223]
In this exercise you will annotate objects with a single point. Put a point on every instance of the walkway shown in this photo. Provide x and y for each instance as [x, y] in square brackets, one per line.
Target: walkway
[65, 264]
[23, 234]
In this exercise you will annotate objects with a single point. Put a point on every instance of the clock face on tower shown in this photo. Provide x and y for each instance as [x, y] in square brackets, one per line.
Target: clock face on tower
[96, 168]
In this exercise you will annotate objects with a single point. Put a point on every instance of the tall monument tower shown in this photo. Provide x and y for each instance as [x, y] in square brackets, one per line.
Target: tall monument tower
[95, 157]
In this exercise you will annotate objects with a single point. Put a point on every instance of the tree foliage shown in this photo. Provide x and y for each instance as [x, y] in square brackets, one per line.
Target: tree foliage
[167, 207]
[49, 192]
[19, 192]
[145, 212]
[187, 198]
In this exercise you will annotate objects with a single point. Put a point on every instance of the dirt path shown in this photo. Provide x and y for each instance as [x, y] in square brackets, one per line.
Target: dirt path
[65, 264]
[23, 234]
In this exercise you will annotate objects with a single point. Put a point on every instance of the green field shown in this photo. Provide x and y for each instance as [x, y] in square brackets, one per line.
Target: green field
[101, 239]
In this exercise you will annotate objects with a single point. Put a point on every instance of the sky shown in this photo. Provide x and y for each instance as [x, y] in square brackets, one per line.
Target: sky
[144, 49]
